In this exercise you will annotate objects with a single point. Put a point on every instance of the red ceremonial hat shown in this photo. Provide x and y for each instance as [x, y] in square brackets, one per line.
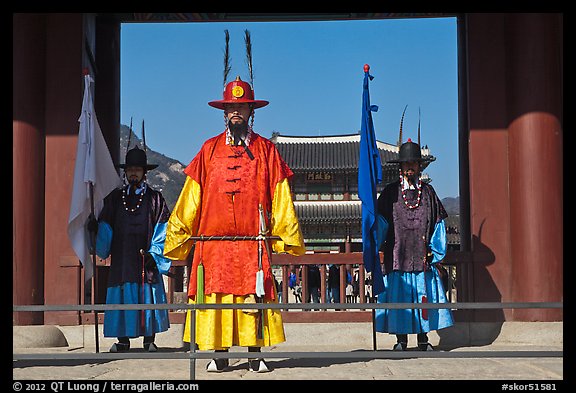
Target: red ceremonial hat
[238, 92]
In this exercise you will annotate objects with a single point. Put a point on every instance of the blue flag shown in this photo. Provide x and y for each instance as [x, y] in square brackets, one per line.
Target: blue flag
[369, 176]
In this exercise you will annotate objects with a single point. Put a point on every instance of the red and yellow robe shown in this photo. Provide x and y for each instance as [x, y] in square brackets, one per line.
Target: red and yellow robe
[220, 197]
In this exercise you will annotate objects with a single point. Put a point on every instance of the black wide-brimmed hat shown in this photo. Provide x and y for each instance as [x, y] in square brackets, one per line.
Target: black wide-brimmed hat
[409, 152]
[137, 157]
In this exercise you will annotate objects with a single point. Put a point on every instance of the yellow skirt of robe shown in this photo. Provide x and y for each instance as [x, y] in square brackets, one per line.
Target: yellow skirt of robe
[224, 328]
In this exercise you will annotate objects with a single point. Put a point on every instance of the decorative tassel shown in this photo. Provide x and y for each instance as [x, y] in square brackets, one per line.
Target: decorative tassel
[424, 310]
[200, 284]
[262, 231]
[260, 283]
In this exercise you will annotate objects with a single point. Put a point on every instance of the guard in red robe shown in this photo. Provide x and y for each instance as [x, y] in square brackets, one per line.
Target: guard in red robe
[236, 186]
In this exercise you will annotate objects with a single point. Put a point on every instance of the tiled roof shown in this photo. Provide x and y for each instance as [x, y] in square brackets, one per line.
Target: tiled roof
[339, 212]
[328, 211]
[334, 153]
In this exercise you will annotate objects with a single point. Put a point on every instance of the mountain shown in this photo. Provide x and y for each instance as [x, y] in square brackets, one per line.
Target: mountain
[452, 205]
[168, 177]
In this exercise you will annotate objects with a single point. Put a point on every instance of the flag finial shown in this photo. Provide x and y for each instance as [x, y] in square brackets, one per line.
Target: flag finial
[366, 67]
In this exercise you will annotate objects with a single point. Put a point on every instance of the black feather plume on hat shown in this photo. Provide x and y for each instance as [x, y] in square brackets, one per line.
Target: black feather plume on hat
[227, 67]
[401, 124]
[248, 42]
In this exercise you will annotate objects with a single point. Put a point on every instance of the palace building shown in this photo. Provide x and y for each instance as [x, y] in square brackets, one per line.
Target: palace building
[325, 186]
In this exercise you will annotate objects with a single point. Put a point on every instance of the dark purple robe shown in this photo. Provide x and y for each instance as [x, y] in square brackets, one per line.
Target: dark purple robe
[132, 231]
[409, 230]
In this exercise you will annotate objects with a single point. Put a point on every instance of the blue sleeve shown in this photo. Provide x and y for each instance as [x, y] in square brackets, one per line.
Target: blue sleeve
[157, 248]
[381, 231]
[438, 242]
[103, 240]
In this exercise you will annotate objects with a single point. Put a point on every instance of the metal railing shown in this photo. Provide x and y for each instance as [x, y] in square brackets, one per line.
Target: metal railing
[345, 262]
[373, 354]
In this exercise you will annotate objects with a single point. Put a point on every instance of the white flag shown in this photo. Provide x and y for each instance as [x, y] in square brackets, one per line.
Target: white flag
[93, 165]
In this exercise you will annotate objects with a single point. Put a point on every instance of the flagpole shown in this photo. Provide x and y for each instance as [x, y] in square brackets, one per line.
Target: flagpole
[369, 175]
[94, 286]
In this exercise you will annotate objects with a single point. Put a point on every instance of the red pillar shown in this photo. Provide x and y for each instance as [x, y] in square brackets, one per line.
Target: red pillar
[488, 278]
[64, 90]
[514, 75]
[28, 81]
[535, 161]
[107, 104]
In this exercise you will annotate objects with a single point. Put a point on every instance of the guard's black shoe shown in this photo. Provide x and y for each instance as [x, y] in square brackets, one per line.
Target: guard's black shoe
[119, 347]
[425, 347]
[150, 347]
[258, 366]
[217, 365]
[400, 346]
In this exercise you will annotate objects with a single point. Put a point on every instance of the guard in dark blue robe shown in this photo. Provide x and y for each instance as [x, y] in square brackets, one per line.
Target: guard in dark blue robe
[413, 239]
[132, 230]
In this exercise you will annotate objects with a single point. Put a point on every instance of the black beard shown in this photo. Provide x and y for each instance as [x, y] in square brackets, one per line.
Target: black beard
[238, 130]
[412, 179]
[133, 182]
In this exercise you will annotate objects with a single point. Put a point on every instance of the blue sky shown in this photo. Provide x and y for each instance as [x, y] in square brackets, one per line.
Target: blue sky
[311, 72]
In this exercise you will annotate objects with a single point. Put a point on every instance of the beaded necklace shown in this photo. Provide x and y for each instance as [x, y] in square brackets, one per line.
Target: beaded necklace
[418, 198]
[138, 204]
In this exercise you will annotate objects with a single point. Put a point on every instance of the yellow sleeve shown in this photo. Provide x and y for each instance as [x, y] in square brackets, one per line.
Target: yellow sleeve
[183, 221]
[285, 223]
